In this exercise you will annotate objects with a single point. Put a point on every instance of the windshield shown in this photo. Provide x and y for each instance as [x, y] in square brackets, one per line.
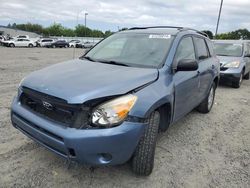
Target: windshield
[228, 49]
[133, 49]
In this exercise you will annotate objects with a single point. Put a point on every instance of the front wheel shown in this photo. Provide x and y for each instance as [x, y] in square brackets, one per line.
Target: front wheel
[143, 159]
[207, 104]
[237, 83]
[247, 76]
[12, 45]
[30, 45]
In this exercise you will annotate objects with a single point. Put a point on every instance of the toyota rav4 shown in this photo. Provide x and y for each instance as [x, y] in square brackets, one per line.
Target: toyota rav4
[108, 106]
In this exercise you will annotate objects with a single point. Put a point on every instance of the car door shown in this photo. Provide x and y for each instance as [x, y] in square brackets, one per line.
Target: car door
[18, 42]
[186, 83]
[25, 42]
[206, 66]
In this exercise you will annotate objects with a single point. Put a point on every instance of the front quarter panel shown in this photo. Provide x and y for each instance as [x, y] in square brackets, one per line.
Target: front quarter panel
[154, 95]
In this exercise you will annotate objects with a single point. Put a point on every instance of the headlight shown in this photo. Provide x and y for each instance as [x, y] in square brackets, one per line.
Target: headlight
[234, 64]
[114, 111]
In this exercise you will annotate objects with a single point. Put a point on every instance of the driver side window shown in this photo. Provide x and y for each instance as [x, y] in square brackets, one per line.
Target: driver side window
[185, 50]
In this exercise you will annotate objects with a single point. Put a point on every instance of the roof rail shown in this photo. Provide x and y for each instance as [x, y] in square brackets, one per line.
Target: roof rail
[151, 27]
[200, 32]
[172, 27]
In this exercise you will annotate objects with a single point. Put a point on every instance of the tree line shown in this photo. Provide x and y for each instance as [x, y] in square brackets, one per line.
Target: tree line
[234, 35]
[58, 30]
[82, 31]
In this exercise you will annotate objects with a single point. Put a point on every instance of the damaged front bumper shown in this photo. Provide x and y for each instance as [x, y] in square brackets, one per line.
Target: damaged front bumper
[109, 146]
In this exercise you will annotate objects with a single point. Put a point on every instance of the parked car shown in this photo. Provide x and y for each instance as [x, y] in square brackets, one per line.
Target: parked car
[45, 41]
[20, 43]
[234, 59]
[2, 39]
[22, 37]
[73, 43]
[59, 43]
[85, 45]
[108, 106]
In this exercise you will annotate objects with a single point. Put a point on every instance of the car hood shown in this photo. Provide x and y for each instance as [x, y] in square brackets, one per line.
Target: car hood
[226, 59]
[78, 81]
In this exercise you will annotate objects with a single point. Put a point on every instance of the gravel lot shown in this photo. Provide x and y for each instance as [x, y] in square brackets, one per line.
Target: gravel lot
[211, 150]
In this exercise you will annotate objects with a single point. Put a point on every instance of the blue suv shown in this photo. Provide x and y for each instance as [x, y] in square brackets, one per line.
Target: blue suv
[107, 107]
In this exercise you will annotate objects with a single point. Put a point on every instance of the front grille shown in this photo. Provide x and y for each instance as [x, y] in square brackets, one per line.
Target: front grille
[223, 68]
[55, 109]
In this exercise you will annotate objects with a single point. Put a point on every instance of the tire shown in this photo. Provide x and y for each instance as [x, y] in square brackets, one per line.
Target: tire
[247, 76]
[237, 83]
[66, 46]
[30, 45]
[143, 158]
[53, 46]
[12, 45]
[207, 104]
[72, 46]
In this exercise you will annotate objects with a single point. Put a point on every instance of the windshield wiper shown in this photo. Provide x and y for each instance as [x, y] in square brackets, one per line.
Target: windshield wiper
[112, 62]
[88, 58]
[222, 55]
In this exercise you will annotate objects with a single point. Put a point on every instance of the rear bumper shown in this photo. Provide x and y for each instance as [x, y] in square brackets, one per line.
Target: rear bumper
[94, 147]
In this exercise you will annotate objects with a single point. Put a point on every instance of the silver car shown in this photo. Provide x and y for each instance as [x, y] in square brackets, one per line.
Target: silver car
[234, 58]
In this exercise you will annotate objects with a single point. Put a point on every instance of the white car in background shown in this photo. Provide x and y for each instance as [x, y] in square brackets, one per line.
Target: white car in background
[44, 42]
[2, 38]
[22, 37]
[20, 43]
[73, 43]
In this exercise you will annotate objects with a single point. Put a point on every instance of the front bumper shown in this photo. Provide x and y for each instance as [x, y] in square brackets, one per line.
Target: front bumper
[109, 146]
[231, 74]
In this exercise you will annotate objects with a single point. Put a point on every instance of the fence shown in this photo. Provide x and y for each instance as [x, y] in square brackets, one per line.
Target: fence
[82, 39]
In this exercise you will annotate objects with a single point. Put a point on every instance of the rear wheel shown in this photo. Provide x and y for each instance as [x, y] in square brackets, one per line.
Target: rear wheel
[237, 83]
[12, 45]
[207, 104]
[143, 159]
[53, 46]
[31, 45]
[246, 76]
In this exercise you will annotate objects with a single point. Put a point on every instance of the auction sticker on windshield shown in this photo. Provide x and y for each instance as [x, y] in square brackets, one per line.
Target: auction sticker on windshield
[161, 36]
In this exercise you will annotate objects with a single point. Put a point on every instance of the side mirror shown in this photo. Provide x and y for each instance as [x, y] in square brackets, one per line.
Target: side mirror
[187, 65]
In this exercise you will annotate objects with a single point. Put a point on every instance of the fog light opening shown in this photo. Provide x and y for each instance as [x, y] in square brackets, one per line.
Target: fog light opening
[105, 157]
[71, 152]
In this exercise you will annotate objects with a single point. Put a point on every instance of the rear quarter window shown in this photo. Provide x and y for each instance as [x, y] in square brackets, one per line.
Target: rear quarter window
[210, 46]
[201, 48]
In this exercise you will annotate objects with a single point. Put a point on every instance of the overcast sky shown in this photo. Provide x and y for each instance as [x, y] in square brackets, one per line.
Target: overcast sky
[109, 14]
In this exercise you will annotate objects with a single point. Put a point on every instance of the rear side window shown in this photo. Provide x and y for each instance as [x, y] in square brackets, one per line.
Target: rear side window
[185, 49]
[210, 46]
[201, 47]
[247, 49]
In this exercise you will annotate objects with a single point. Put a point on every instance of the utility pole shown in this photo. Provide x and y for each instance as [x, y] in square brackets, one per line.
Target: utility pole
[85, 21]
[218, 21]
